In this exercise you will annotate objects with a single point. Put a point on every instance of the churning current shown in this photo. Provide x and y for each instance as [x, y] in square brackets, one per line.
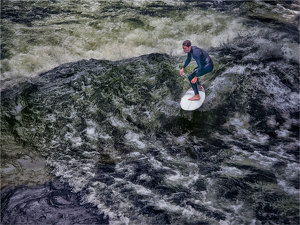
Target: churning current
[91, 127]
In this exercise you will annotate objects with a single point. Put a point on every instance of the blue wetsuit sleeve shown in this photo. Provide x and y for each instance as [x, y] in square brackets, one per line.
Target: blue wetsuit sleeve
[188, 60]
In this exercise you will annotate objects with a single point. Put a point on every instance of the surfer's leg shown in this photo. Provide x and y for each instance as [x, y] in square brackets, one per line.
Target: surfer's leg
[196, 97]
[206, 69]
[194, 86]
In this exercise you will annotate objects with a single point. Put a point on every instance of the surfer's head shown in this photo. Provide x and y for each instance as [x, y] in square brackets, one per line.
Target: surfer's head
[187, 46]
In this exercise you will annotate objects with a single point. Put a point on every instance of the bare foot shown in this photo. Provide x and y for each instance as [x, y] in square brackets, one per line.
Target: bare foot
[195, 98]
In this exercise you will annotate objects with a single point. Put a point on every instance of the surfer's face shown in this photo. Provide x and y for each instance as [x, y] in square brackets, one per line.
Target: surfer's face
[186, 49]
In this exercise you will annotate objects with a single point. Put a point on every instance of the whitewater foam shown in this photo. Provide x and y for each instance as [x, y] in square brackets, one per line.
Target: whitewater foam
[134, 139]
[58, 39]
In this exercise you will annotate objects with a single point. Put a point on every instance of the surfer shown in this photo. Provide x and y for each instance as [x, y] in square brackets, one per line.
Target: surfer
[204, 62]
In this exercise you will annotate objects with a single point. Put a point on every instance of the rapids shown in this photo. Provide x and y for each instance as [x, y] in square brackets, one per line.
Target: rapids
[104, 141]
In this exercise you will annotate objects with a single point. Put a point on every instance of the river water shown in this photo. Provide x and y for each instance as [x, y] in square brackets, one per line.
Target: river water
[91, 127]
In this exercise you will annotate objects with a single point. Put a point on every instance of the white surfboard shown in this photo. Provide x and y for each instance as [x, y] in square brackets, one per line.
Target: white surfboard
[192, 105]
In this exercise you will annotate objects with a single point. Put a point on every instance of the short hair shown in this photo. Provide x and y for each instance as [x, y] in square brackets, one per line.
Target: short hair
[187, 43]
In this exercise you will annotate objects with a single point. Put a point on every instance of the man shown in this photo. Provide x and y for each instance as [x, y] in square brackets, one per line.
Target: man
[204, 62]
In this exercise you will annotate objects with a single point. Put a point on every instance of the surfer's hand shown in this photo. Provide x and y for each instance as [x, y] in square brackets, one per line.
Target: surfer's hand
[181, 71]
[194, 80]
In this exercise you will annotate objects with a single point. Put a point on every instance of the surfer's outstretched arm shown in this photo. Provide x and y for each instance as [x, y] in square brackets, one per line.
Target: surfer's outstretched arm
[187, 49]
[187, 61]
